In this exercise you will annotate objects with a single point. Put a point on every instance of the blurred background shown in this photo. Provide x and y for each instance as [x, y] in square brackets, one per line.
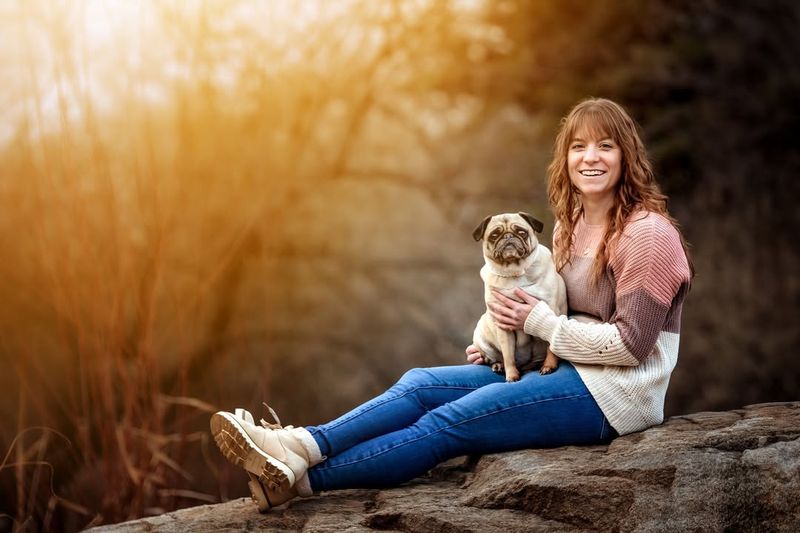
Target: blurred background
[210, 204]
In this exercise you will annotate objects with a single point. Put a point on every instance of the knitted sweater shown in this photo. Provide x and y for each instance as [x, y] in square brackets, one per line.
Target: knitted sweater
[626, 357]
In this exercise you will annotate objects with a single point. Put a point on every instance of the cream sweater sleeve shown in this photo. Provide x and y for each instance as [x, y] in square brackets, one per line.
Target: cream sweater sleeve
[594, 344]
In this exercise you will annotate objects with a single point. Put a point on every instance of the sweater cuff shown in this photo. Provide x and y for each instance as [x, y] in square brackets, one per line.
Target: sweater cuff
[541, 322]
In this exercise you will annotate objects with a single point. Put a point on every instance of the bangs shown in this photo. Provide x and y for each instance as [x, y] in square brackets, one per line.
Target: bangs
[594, 122]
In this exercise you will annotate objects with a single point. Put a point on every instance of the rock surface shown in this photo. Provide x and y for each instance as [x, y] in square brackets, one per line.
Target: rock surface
[734, 471]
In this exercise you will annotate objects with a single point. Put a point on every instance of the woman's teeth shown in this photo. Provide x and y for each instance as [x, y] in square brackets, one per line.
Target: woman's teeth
[591, 172]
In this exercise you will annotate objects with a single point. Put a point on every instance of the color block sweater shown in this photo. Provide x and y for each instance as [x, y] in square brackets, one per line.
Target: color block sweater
[626, 356]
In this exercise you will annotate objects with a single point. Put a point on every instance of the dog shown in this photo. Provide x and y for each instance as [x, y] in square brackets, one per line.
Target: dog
[515, 259]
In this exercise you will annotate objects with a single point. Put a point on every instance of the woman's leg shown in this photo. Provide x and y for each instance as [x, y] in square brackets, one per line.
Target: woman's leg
[419, 391]
[278, 459]
[536, 412]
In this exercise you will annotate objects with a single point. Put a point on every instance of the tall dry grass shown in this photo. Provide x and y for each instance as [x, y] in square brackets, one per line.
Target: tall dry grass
[125, 228]
[86, 357]
[117, 275]
[100, 325]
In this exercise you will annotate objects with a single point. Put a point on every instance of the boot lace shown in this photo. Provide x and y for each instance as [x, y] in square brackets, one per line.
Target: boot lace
[277, 424]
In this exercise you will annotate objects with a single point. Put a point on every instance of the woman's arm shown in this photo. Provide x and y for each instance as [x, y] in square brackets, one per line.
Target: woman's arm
[650, 268]
[569, 339]
[580, 342]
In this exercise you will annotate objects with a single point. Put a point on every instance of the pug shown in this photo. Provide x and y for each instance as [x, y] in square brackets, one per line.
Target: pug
[515, 259]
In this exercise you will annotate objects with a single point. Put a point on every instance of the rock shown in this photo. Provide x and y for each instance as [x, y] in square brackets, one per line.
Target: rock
[733, 471]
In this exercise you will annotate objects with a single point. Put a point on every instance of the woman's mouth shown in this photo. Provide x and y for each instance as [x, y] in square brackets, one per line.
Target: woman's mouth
[592, 173]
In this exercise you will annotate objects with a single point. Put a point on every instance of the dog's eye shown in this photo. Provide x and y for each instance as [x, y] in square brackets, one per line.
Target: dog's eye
[522, 233]
[494, 235]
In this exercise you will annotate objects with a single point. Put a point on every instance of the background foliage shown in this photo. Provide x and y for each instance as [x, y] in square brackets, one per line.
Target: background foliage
[214, 203]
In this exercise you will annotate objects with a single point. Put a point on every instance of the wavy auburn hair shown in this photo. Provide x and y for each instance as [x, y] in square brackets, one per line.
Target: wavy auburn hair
[637, 188]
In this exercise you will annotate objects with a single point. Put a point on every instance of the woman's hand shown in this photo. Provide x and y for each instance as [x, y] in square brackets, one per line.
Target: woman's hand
[474, 355]
[510, 315]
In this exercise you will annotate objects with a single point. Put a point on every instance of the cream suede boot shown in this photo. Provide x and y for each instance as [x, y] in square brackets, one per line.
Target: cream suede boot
[277, 457]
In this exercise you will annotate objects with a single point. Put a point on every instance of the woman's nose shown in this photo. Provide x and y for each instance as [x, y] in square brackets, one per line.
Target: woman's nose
[590, 154]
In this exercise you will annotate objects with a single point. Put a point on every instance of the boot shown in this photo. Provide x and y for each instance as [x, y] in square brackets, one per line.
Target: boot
[275, 456]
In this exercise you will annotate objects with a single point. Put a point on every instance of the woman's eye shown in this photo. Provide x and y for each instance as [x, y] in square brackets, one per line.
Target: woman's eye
[576, 146]
[606, 146]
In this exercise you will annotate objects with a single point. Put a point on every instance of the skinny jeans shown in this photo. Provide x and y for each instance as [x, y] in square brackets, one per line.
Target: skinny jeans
[434, 414]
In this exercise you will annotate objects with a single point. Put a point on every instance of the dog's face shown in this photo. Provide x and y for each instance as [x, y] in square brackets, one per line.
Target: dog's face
[508, 238]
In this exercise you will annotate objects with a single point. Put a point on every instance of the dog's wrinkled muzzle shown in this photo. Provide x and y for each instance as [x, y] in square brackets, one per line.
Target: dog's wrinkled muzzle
[510, 248]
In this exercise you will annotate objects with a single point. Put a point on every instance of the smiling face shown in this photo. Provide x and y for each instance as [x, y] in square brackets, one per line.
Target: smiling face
[594, 163]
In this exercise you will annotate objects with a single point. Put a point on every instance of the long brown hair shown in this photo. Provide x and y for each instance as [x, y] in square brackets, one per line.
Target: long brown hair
[637, 188]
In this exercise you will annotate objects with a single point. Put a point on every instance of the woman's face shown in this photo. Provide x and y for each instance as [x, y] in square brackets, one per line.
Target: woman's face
[594, 165]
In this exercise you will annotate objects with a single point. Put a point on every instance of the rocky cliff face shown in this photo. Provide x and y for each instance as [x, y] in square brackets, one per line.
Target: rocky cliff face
[734, 471]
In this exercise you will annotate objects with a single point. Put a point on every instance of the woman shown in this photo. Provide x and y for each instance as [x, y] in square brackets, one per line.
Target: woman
[627, 272]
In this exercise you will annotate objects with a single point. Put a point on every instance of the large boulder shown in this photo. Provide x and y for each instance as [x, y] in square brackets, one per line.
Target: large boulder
[722, 471]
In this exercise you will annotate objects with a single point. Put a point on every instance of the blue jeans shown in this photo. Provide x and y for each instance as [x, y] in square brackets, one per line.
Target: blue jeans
[434, 414]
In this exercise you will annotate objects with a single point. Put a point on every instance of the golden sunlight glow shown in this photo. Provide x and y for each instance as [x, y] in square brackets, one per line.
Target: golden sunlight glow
[174, 172]
[92, 51]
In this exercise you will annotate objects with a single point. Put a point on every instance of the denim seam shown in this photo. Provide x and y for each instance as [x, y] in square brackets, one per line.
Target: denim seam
[403, 395]
[323, 466]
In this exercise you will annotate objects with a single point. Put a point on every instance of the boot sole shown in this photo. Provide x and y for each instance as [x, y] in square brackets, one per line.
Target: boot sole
[238, 448]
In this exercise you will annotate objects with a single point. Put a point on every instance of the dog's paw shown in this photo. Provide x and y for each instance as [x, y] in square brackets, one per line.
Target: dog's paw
[549, 364]
[497, 368]
[512, 376]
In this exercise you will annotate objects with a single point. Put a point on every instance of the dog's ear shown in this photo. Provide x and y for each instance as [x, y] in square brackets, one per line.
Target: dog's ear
[478, 233]
[535, 224]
